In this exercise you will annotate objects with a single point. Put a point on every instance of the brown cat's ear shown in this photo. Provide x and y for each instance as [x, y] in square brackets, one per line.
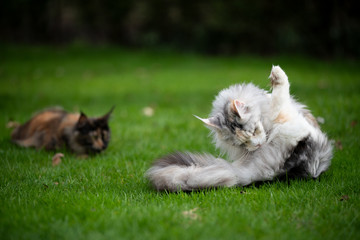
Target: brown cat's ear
[240, 108]
[212, 122]
[83, 120]
[107, 115]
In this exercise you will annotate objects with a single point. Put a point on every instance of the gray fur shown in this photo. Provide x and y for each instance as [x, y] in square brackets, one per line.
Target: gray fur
[309, 158]
[190, 171]
[293, 145]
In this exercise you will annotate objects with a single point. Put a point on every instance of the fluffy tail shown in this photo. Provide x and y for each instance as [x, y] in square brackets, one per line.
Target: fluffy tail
[189, 171]
[311, 157]
[320, 160]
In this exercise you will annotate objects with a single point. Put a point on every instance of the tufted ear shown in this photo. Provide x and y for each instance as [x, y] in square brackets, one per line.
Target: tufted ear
[83, 120]
[107, 115]
[240, 108]
[212, 122]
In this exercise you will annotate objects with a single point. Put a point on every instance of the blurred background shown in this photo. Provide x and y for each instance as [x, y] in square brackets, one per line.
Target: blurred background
[317, 28]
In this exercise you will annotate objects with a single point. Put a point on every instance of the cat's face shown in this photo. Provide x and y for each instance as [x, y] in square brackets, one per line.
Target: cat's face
[231, 123]
[93, 134]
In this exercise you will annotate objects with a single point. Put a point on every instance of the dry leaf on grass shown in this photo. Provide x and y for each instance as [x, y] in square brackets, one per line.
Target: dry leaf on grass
[191, 214]
[338, 145]
[353, 123]
[344, 198]
[12, 124]
[56, 159]
[148, 111]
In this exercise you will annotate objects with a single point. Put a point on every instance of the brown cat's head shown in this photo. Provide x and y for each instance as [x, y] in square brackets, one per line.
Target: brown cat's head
[93, 134]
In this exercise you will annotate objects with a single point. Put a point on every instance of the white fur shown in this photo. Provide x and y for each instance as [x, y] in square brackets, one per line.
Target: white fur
[280, 124]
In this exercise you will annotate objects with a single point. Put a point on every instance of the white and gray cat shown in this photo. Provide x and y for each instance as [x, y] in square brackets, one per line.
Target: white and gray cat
[264, 135]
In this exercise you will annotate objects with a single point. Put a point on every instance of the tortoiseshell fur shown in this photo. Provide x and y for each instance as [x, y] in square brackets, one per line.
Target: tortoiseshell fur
[52, 129]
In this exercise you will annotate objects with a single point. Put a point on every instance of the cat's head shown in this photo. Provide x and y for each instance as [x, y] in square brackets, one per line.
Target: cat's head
[93, 134]
[234, 118]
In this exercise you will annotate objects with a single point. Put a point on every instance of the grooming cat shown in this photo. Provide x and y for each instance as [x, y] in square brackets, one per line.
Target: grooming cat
[54, 128]
[264, 135]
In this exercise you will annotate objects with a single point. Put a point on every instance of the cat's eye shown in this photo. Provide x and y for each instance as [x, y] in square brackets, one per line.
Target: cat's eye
[94, 134]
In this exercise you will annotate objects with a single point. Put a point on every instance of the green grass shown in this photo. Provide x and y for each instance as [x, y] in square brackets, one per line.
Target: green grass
[107, 196]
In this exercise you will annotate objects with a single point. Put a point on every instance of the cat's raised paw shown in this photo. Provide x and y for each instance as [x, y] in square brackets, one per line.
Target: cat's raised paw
[278, 76]
[243, 136]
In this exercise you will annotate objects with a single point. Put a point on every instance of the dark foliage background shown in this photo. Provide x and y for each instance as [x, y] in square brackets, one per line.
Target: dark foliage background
[322, 28]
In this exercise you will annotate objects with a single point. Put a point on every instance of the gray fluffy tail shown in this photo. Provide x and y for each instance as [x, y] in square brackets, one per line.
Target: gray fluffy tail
[189, 171]
[320, 159]
[311, 157]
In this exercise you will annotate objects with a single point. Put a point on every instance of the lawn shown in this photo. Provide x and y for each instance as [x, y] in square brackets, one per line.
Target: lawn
[108, 197]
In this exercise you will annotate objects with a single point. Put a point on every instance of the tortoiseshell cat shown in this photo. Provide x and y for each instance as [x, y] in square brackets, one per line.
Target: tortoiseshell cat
[54, 128]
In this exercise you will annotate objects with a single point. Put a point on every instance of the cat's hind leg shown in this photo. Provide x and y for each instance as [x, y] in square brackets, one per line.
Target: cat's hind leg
[30, 141]
[278, 78]
[27, 142]
[289, 124]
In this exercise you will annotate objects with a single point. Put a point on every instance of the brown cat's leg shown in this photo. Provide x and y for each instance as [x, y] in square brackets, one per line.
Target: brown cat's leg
[50, 143]
[37, 140]
[32, 141]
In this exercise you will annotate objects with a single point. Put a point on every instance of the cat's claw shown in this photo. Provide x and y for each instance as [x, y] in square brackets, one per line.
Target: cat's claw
[277, 76]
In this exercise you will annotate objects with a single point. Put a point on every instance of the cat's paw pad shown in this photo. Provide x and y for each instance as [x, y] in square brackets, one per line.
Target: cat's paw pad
[277, 76]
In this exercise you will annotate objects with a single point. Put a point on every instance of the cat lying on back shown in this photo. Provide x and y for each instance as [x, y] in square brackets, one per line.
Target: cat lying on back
[264, 135]
[54, 128]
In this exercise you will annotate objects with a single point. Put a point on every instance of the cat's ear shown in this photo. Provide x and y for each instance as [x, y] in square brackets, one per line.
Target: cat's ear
[240, 108]
[83, 120]
[107, 115]
[212, 122]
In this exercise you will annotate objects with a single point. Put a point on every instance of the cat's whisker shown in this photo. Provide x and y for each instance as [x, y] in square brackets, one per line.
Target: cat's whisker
[202, 119]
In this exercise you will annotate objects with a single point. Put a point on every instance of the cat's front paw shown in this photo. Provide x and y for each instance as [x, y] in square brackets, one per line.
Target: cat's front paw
[257, 139]
[278, 76]
[243, 136]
